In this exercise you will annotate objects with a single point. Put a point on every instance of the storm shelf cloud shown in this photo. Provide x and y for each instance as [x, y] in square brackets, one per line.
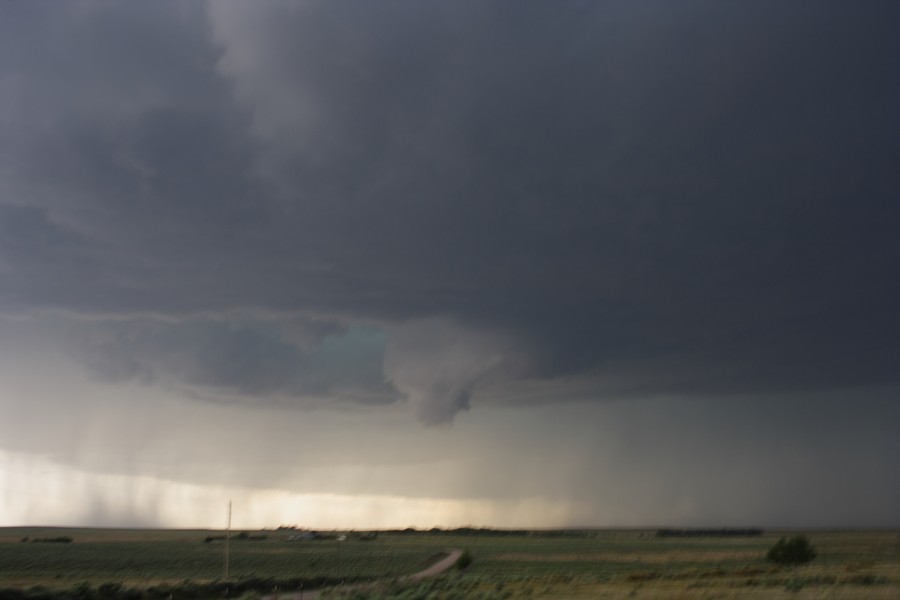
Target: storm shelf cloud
[421, 218]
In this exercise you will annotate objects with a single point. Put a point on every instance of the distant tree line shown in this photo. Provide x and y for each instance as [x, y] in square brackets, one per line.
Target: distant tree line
[63, 539]
[724, 532]
[486, 531]
[243, 536]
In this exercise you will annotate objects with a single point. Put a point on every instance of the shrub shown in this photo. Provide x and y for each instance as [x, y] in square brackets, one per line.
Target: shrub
[465, 559]
[791, 551]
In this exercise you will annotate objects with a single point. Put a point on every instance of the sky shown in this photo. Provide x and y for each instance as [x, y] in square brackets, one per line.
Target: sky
[424, 263]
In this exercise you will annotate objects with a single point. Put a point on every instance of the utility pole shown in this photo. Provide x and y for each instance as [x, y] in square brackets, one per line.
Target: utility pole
[227, 539]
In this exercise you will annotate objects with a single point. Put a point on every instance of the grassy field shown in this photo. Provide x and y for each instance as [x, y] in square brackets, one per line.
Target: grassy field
[150, 557]
[593, 564]
[636, 564]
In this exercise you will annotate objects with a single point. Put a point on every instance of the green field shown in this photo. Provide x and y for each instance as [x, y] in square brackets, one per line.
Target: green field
[585, 564]
[148, 557]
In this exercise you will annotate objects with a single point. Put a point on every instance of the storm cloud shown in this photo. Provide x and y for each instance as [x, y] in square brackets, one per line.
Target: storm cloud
[443, 206]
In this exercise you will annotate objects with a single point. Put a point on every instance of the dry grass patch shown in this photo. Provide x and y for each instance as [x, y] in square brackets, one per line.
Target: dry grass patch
[664, 557]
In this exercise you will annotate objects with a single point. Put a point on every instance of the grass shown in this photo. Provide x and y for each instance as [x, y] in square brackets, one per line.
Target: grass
[155, 557]
[592, 564]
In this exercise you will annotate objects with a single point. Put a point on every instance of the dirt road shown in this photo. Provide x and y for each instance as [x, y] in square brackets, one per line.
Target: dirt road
[435, 569]
[438, 567]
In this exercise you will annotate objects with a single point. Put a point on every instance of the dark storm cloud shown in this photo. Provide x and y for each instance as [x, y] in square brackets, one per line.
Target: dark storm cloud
[221, 360]
[690, 198]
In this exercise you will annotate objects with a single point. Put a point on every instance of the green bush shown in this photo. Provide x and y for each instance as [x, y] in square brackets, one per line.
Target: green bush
[465, 559]
[791, 551]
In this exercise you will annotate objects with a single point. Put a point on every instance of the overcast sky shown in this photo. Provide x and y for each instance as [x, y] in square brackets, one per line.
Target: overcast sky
[417, 263]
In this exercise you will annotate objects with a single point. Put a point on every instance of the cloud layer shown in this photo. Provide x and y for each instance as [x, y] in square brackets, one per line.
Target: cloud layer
[434, 207]
[702, 198]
